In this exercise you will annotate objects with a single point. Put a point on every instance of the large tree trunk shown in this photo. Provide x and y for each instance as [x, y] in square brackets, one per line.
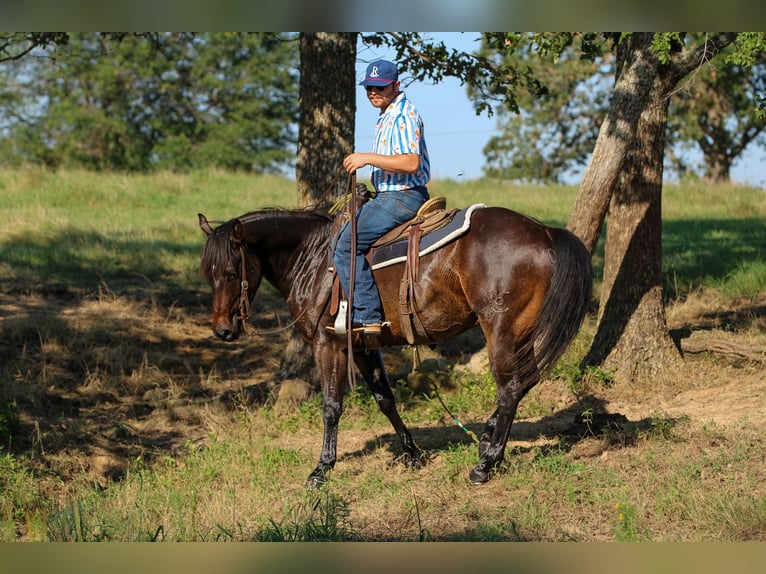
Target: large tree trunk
[632, 338]
[325, 137]
[626, 169]
[631, 90]
[636, 70]
[327, 114]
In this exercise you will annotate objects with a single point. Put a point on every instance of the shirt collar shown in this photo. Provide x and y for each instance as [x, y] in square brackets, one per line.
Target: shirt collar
[396, 101]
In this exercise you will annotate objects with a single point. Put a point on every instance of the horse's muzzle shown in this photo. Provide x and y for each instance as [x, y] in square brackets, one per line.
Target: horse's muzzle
[227, 330]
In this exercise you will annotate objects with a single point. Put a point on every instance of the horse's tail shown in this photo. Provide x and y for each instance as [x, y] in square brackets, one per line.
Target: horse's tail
[566, 301]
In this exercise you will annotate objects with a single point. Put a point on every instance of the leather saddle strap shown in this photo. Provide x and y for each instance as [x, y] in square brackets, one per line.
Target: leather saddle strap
[334, 294]
[405, 310]
[411, 322]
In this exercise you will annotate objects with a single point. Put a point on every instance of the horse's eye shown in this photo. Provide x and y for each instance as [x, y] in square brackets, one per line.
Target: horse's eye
[232, 276]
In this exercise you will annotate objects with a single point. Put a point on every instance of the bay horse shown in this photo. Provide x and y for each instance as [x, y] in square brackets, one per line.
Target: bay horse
[527, 285]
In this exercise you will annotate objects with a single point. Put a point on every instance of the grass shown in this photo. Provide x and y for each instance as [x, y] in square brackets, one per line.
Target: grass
[234, 488]
[714, 236]
[114, 427]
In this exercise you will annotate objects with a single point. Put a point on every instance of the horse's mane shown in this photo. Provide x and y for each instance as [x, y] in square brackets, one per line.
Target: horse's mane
[217, 251]
[309, 211]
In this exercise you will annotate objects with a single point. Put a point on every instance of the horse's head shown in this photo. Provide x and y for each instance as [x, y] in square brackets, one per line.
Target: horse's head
[233, 275]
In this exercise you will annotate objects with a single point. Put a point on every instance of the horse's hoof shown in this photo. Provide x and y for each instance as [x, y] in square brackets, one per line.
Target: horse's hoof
[478, 475]
[316, 479]
[416, 461]
[315, 482]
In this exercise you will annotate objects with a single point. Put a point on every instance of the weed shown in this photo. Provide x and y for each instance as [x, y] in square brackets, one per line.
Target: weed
[625, 433]
[555, 461]
[742, 518]
[475, 393]
[580, 381]
[275, 458]
[747, 280]
[663, 427]
[8, 420]
[66, 524]
[423, 534]
[457, 458]
[320, 516]
[626, 528]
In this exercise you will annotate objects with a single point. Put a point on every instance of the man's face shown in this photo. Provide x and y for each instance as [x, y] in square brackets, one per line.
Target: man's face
[381, 96]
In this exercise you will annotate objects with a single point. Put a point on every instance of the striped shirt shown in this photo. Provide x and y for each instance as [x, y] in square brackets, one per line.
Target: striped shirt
[400, 130]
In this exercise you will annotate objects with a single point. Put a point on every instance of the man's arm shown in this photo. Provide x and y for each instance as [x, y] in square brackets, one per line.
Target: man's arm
[401, 163]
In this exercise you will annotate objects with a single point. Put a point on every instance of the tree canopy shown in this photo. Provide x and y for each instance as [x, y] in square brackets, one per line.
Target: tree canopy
[138, 101]
[141, 101]
[715, 111]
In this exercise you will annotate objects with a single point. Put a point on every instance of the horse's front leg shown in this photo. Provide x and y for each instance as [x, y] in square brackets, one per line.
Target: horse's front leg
[331, 363]
[373, 370]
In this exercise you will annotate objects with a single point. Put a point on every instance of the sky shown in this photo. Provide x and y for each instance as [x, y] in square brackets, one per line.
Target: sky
[456, 136]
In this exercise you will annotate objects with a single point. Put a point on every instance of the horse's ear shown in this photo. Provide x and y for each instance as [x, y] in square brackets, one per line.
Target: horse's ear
[236, 232]
[204, 225]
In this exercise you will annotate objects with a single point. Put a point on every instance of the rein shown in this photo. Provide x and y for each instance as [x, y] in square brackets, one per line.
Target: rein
[244, 300]
[352, 278]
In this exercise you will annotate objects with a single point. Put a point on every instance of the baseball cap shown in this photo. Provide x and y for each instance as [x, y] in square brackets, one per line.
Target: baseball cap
[380, 73]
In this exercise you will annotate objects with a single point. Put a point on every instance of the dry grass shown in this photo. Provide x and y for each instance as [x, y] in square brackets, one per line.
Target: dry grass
[122, 418]
[156, 431]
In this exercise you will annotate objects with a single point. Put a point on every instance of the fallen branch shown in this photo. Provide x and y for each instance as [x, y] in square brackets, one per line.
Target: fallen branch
[723, 347]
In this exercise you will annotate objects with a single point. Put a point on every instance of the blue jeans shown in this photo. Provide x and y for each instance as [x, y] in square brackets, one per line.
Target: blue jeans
[376, 217]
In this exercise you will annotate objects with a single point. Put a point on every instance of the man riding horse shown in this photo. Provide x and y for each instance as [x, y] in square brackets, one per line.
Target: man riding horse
[400, 170]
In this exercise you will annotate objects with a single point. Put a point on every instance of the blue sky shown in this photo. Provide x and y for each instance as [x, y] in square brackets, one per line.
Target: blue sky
[456, 136]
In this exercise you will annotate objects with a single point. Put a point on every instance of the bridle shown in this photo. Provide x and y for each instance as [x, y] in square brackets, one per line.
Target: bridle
[244, 298]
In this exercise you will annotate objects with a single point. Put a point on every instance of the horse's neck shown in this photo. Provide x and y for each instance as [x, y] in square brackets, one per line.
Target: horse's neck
[292, 247]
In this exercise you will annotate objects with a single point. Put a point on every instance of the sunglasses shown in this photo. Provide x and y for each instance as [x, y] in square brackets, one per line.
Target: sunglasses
[377, 88]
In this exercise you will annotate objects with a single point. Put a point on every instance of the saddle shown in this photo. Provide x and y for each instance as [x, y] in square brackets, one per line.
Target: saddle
[432, 215]
[403, 243]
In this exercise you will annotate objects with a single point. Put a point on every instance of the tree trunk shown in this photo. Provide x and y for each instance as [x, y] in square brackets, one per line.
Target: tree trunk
[327, 114]
[717, 165]
[632, 338]
[631, 89]
[625, 175]
[325, 137]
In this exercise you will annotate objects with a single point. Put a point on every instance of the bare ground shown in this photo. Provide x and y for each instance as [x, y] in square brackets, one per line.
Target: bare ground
[99, 381]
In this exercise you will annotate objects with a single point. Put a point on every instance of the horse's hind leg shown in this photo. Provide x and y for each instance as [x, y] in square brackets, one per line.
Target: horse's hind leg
[371, 366]
[514, 378]
[486, 435]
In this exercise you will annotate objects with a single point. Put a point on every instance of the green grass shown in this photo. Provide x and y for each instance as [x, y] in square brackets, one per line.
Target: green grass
[80, 229]
[131, 244]
[233, 490]
[714, 236]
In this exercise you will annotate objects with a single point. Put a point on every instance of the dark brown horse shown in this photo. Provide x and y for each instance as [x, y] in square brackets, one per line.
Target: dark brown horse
[526, 284]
